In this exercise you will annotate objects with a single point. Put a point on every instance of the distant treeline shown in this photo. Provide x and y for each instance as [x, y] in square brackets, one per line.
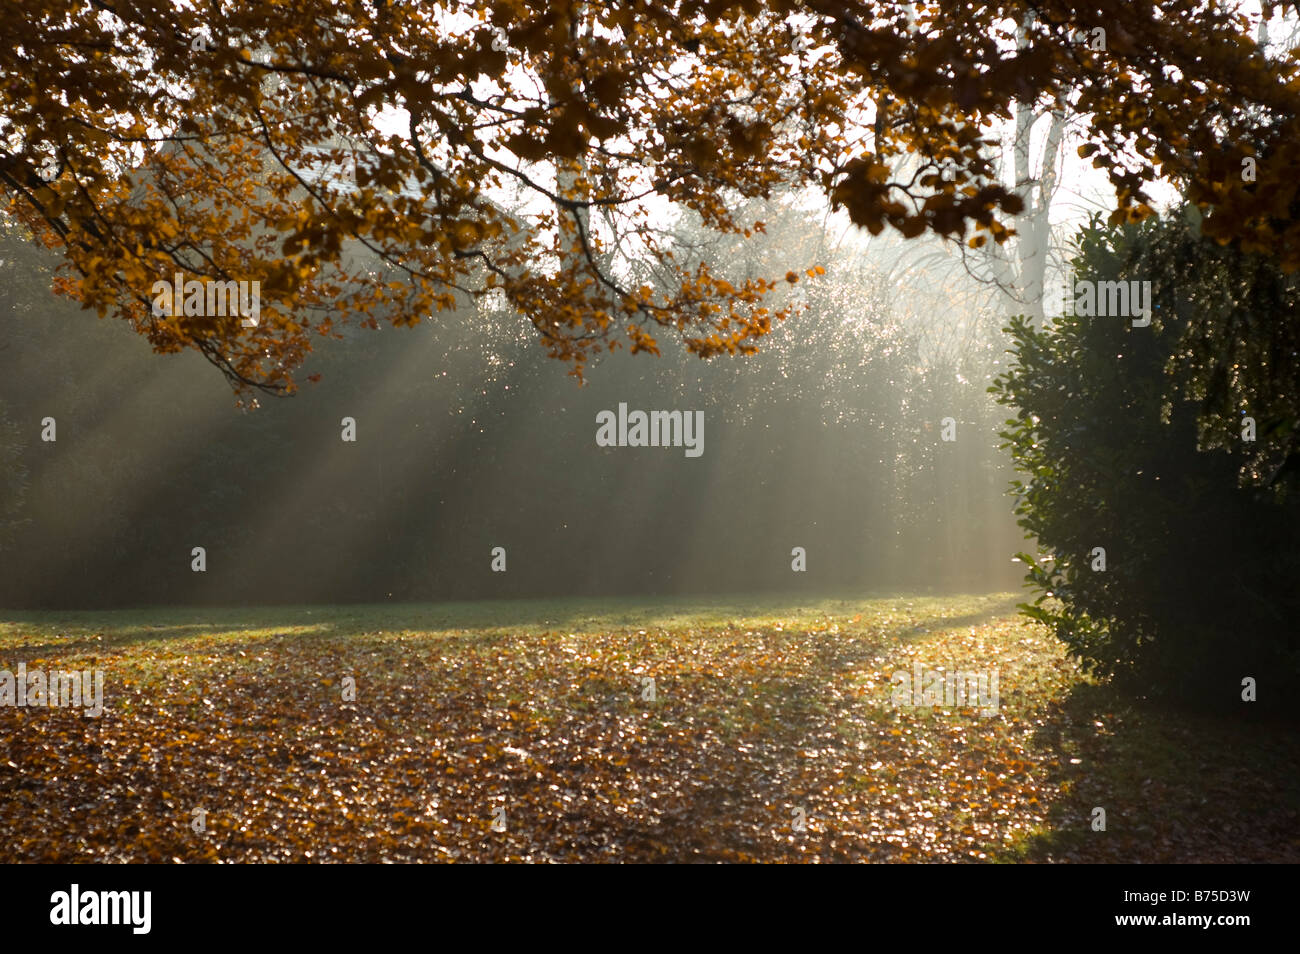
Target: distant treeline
[468, 438]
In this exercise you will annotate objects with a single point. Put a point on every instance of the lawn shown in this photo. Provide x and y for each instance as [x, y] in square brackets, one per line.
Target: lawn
[529, 730]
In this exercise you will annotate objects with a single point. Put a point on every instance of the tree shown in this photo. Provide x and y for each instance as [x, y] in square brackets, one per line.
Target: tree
[1156, 565]
[1238, 353]
[394, 128]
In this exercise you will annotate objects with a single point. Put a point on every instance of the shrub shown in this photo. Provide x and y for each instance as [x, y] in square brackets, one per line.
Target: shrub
[1201, 580]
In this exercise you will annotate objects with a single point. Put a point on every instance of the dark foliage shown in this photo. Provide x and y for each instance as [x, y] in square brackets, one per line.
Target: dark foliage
[1201, 585]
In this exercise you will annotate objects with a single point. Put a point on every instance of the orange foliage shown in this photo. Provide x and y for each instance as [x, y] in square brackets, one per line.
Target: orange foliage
[141, 139]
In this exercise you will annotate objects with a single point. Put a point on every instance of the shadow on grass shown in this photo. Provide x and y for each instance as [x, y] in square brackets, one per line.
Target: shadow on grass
[1176, 785]
[104, 640]
[578, 614]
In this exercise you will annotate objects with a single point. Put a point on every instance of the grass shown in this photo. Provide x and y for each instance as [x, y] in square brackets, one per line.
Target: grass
[763, 710]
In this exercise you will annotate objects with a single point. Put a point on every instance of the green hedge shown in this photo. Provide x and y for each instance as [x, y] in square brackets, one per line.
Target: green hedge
[1201, 582]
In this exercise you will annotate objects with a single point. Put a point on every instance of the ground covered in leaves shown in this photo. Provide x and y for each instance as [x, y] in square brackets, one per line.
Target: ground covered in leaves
[537, 718]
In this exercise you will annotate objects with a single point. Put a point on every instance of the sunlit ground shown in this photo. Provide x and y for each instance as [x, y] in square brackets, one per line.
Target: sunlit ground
[536, 717]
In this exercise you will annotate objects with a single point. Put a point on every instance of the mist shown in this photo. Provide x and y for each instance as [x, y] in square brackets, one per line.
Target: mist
[860, 436]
